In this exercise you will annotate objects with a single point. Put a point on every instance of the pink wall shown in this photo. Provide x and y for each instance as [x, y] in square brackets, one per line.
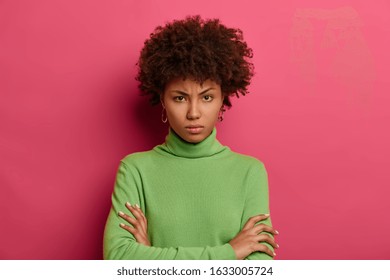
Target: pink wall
[318, 117]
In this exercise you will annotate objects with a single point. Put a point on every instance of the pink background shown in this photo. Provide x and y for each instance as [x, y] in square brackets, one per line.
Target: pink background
[317, 116]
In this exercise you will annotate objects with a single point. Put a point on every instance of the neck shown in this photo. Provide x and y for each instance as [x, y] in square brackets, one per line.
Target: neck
[176, 146]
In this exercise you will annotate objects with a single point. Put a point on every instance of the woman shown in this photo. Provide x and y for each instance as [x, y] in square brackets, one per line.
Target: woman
[191, 197]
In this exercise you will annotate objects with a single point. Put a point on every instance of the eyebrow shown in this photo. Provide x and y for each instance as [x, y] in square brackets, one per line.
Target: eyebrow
[184, 93]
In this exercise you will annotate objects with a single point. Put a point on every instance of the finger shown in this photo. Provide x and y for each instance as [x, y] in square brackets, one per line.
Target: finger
[134, 211]
[138, 214]
[253, 220]
[263, 227]
[262, 248]
[132, 230]
[142, 220]
[128, 228]
[128, 219]
[268, 239]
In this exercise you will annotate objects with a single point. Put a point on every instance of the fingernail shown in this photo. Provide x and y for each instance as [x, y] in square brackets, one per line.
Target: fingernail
[121, 213]
[274, 254]
[277, 245]
[122, 225]
[266, 215]
[277, 232]
[136, 205]
[128, 204]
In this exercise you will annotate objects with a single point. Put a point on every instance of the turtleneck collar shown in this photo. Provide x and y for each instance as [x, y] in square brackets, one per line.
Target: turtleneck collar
[176, 146]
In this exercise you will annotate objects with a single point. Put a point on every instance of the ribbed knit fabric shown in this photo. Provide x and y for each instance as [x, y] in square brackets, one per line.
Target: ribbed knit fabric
[196, 198]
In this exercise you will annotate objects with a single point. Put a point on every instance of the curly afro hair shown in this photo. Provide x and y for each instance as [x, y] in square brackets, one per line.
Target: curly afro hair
[197, 49]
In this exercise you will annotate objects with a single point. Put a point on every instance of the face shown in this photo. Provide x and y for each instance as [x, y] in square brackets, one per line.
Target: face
[192, 109]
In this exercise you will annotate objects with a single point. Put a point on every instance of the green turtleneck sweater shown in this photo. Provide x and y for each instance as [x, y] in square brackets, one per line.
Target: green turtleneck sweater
[196, 198]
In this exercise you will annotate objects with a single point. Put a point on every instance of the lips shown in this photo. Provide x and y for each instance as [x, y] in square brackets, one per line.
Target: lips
[194, 129]
[194, 126]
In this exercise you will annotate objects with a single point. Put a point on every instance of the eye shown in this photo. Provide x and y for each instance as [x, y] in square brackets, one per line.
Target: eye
[207, 98]
[179, 98]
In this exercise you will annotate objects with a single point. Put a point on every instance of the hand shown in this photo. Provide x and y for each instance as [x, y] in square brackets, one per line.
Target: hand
[140, 224]
[247, 240]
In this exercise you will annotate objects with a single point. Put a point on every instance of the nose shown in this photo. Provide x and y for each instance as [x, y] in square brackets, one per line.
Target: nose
[193, 112]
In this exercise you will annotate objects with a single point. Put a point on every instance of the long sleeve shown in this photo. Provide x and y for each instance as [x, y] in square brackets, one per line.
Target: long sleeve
[257, 203]
[121, 244]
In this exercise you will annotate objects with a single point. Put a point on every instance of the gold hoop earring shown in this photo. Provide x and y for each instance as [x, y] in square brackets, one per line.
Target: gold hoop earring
[162, 116]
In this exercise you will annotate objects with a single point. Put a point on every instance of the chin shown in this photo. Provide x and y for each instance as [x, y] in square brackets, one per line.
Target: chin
[195, 138]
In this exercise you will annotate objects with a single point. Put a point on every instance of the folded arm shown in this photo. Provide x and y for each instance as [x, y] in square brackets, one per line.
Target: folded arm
[120, 244]
[257, 202]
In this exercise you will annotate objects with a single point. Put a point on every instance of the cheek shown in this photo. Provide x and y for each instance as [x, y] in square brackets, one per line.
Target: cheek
[174, 113]
[216, 110]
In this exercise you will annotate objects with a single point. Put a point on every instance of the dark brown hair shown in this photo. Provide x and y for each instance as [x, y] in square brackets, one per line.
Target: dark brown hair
[197, 49]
